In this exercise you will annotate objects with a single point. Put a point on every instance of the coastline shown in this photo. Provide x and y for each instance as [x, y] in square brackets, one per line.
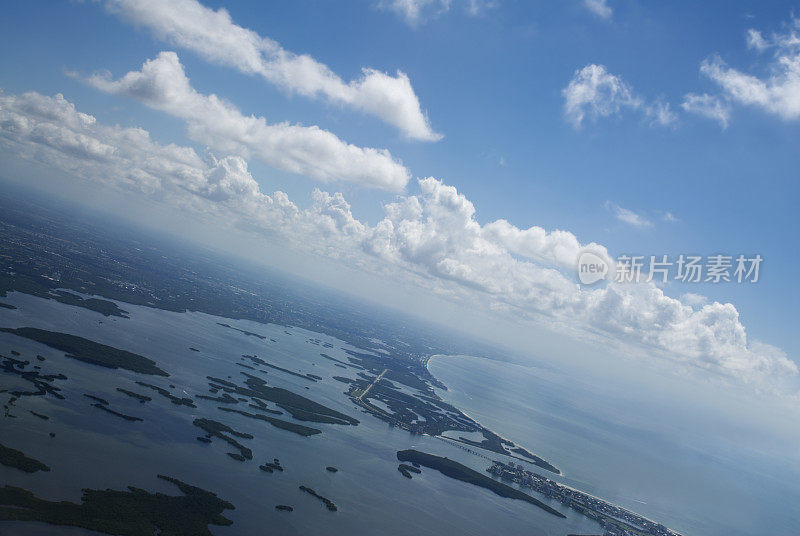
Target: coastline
[560, 473]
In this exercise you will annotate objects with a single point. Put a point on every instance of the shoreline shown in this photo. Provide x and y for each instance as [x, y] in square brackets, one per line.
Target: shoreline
[427, 363]
[562, 474]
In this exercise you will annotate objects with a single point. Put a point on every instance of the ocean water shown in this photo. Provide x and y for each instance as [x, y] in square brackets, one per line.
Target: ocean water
[632, 456]
[93, 449]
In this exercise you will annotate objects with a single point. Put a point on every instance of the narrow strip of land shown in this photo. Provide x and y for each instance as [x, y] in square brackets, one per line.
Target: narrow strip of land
[374, 382]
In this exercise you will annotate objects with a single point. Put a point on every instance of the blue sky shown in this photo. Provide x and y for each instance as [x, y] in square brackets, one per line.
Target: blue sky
[492, 83]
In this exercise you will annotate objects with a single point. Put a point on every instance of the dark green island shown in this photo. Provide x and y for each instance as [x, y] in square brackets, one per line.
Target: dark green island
[135, 512]
[455, 470]
[89, 351]
[17, 459]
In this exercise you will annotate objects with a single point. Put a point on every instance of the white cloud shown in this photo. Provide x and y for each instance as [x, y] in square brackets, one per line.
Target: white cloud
[595, 93]
[215, 37]
[431, 239]
[756, 40]
[628, 216]
[708, 106]
[162, 84]
[670, 217]
[694, 300]
[416, 12]
[778, 90]
[599, 8]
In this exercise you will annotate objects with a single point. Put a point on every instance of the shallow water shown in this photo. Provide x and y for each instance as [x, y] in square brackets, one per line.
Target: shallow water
[93, 449]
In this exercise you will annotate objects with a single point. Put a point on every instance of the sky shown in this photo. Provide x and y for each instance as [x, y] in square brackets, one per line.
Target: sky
[463, 152]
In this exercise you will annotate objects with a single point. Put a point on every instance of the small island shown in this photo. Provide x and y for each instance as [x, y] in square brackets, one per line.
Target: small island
[17, 459]
[328, 503]
[406, 470]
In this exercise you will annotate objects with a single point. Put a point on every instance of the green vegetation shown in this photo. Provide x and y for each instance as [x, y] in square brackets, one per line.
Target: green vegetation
[299, 429]
[132, 394]
[406, 470]
[96, 399]
[42, 382]
[455, 470]
[298, 406]
[219, 430]
[89, 351]
[135, 512]
[117, 413]
[248, 333]
[494, 443]
[338, 361]
[287, 371]
[224, 399]
[43, 289]
[269, 467]
[177, 400]
[328, 503]
[15, 458]
[104, 307]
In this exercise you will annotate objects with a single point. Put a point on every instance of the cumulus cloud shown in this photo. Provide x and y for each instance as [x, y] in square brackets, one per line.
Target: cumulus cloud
[162, 84]
[416, 12]
[432, 239]
[708, 106]
[215, 37]
[777, 90]
[595, 93]
[599, 8]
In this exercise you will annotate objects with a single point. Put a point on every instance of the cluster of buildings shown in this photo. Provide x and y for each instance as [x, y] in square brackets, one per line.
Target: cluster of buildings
[615, 520]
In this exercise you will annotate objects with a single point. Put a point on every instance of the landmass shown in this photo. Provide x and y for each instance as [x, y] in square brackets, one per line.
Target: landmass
[117, 413]
[274, 465]
[614, 519]
[135, 512]
[328, 503]
[219, 430]
[17, 459]
[298, 406]
[461, 472]
[248, 333]
[132, 394]
[89, 351]
[299, 429]
[177, 400]
[406, 470]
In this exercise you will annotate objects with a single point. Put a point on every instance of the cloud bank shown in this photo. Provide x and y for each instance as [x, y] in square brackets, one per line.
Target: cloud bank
[215, 37]
[431, 238]
[162, 84]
